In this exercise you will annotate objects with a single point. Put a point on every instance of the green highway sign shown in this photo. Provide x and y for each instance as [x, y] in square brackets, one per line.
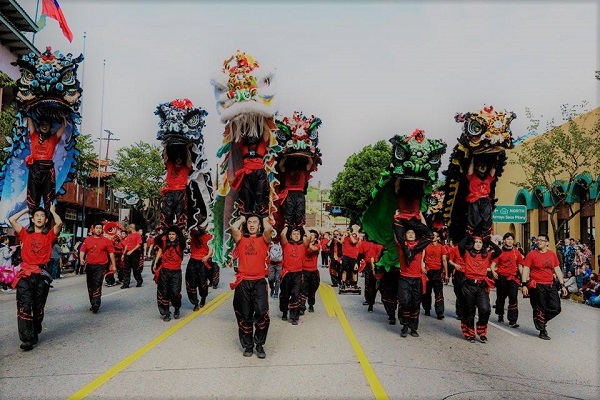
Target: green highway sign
[508, 214]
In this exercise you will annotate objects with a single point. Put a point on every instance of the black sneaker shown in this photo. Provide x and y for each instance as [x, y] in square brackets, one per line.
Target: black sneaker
[202, 302]
[139, 284]
[294, 321]
[440, 317]
[95, 310]
[513, 325]
[311, 309]
[177, 313]
[26, 346]
[404, 331]
[248, 352]
[483, 339]
[196, 307]
[392, 321]
[501, 319]
[260, 352]
[124, 286]
[370, 309]
[166, 318]
[365, 303]
[544, 335]
[414, 333]
[334, 285]
[301, 312]
[471, 339]
[284, 317]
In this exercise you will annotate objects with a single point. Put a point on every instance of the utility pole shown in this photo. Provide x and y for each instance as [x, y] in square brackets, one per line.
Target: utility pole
[100, 137]
[108, 139]
[320, 206]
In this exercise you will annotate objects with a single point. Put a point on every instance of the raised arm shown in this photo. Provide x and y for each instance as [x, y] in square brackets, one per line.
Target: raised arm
[61, 129]
[305, 237]
[57, 221]
[267, 231]
[14, 220]
[283, 236]
[471, 166]
[236, 229]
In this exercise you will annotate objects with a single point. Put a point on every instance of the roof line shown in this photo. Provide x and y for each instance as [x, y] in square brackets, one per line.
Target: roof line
[25, 16]
[18, 34]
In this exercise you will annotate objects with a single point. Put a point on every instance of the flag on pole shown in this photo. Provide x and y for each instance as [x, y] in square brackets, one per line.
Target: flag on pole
[52, 9]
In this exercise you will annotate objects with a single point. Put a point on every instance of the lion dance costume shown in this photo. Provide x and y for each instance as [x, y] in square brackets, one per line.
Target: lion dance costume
[39, 163]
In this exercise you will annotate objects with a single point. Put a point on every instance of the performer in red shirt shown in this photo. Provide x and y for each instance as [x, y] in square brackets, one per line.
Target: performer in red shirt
[335, 259]
[294, 252]
[349, 256]
[479, 211]
[538, 268]
[410, 285]
[476, 287]
[41, 178]
[173, 207]
[310, 273]
[33, 280]
[199, 268]
[506, 270]
[325, 242]
[131, 256]
[95, 252]
[296, 174]
[370, 252]
[436, 257]
[167, 274]
[458, 278]
[251, 297]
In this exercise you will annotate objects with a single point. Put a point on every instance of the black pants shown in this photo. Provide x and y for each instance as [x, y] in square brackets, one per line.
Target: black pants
[254, 193]
[370, 285]
[168, 290]
[310, 285]
[507, 288]
[289, 298]
[458, 278]
[545, 302]
[475, 296]
[335, 272]
[294, 208]
[324, 257]
[132, 262]
[197, 276]
[348, 264]
[435, 284]
[41, 185]
[32, 293]
[94, 275]
[173, 209]
[251, 307]
[388, 287]
[479, 216]
[215, 275]
[409, 301]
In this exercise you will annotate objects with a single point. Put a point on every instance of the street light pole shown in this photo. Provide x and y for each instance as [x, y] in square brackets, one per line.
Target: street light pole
[101, 126]
[108, 139]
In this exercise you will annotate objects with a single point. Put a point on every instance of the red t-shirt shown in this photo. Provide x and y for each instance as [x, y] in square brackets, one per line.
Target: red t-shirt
[476, 267]
[177, 177]
[252, 256]
[433, 256]
[455, 257]
[172, 256]
[45, 150]
[293, 256]
[508, 261]
[199, 245]
[132, 240]
[541, 266]
[369, 250]
[412, 269]
[349, 249]
[311, 259]
[36, 248]
[295, 180]
[479, 188]
[97, 249]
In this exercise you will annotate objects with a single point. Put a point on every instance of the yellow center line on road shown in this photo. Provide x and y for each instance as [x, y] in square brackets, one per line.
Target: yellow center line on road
[330, 301]
[325, 294]
[124, 363]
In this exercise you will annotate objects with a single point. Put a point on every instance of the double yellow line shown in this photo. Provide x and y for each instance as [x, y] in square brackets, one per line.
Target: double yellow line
[127, 361]
[333, 308]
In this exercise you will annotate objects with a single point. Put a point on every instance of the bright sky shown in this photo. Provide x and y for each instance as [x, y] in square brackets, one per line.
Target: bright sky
[368, 70]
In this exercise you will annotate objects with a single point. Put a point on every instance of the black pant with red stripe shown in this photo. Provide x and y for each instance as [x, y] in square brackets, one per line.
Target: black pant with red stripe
[458, 278]
[197, 275]
[289, 298]
[94, 275]
[132, 262]
[507, 288]
[168, 290]
[173, 208]
[475, 296]
[409, 301]
[310, 285]
[348, 264]
[32, 293]
[370, 285]
[335, 272]
[435, 284]
[545, 302]
[254, 193]
[294, 208]
[251, 306]
[388, 287]
[41, 185]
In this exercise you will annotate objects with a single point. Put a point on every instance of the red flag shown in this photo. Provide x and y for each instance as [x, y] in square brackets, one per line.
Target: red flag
[51, 8]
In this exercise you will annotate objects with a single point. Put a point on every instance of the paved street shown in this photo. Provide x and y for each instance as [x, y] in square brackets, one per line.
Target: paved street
[340, 351]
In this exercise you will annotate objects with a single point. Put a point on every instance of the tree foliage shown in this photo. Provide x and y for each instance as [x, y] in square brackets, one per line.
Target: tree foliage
[139, 169]
[554, 160]
[86, 161]
[352, 187]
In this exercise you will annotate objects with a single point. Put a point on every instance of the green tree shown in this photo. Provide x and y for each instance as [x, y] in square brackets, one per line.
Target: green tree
[139, 169]
[86, 161]
[556, 160]
[352, 187]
